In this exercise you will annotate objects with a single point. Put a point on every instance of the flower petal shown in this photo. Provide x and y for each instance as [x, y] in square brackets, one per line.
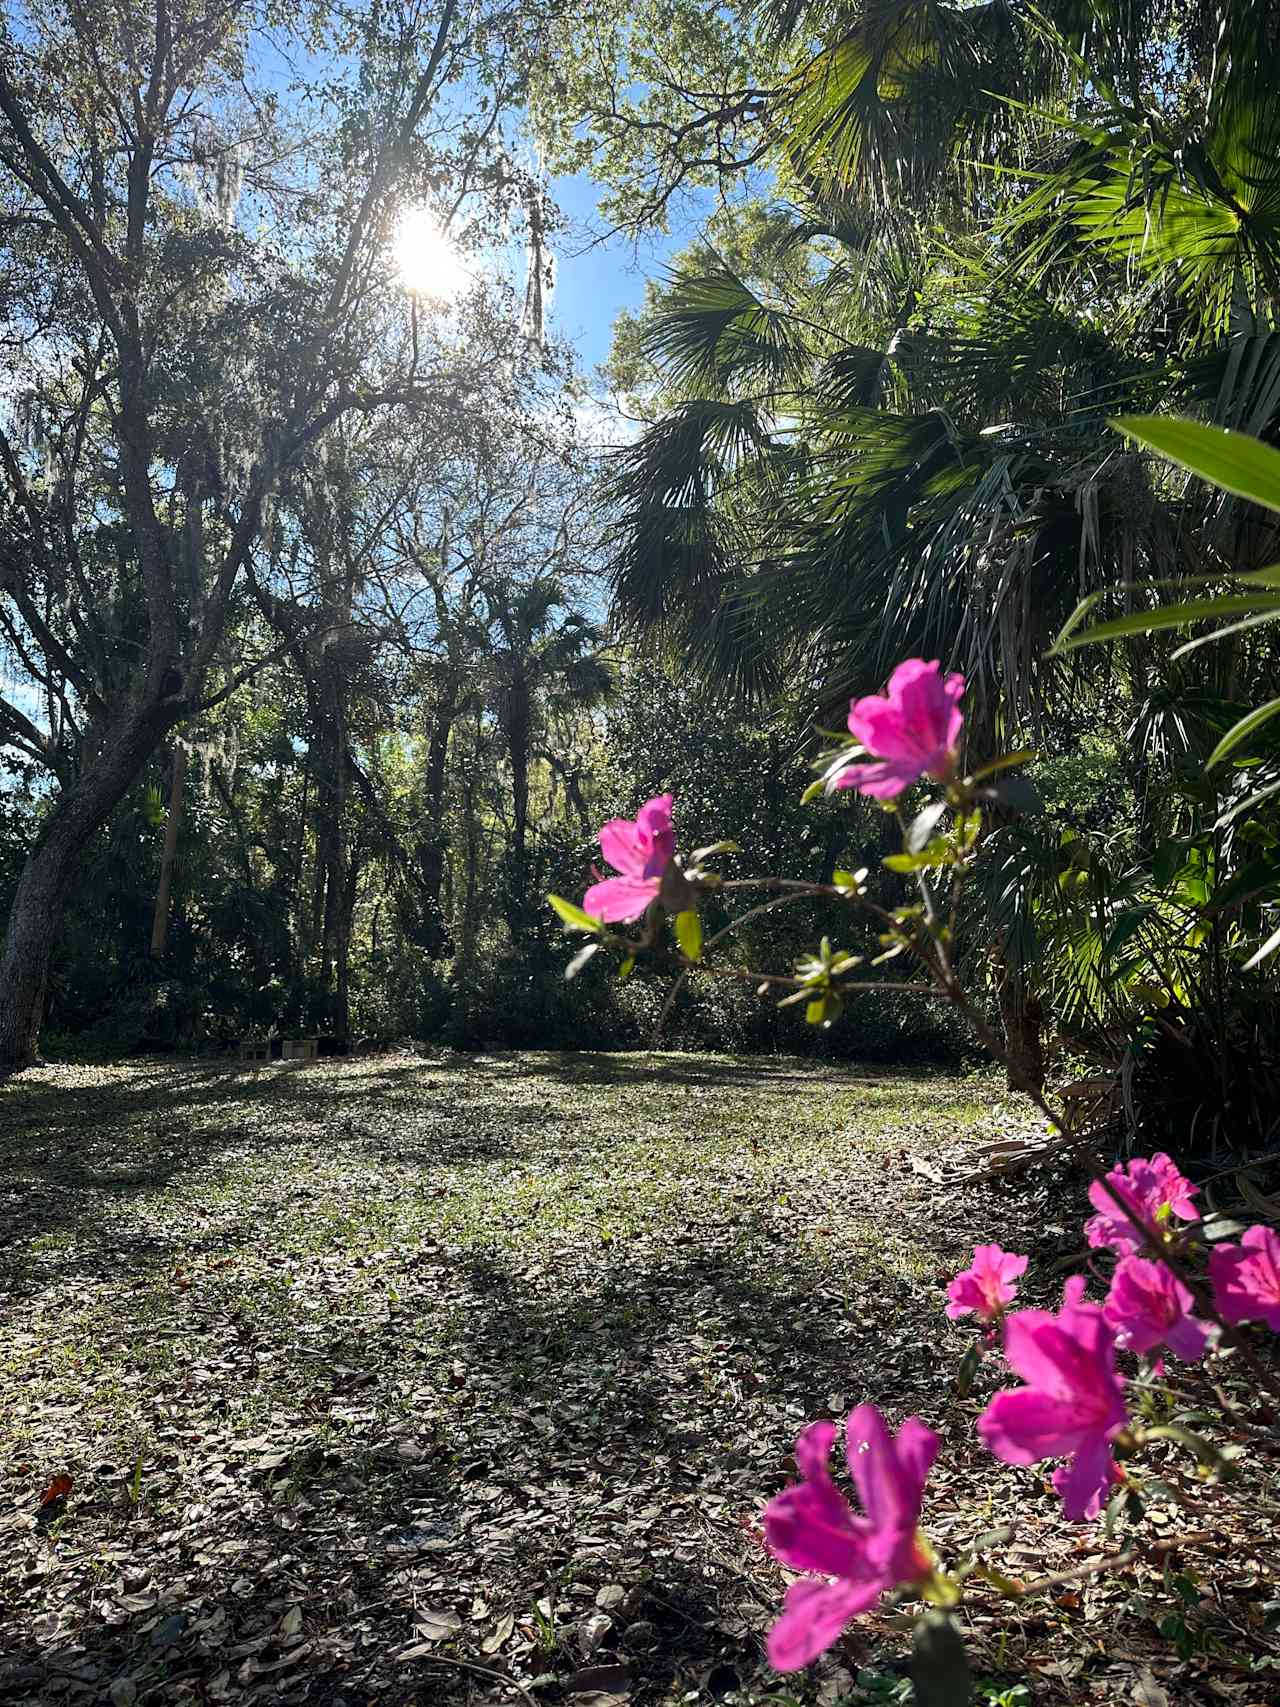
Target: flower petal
[1028, 1357]
[656, 837]
[813, 1616]
[882, 781]
[1025, 1425]
[917, 1448]
[1188, 1339]
[1246, 1278]
[810, 1526]
[873, 1465]
[619, 898]
[621, 846]
[1086, 1481]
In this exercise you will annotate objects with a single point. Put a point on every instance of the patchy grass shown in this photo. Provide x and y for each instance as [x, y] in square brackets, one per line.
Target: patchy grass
[464, 1379]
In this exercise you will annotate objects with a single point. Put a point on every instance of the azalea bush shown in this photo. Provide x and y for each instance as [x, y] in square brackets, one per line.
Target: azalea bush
[1171, 1284]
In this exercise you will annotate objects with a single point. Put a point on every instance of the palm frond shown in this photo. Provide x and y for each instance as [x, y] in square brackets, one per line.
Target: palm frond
[715, 333]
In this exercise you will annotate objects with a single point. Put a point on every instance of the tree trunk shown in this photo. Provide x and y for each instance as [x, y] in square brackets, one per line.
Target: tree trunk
[518, 722]
[40, 899]
[173, 823]
[470, 902]
[1022, 1017]
[434, 846]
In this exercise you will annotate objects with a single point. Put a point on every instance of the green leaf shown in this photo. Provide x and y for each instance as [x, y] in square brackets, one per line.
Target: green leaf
[1234, 461]
[850, 880]
[1167, 861]
[573, 918]
[580, 959]
[699, 854]
[1243, 806]
[689, 934]
[1126, 926]
[933, 854]
[939, 1665]
[1166, 616]
[921, 828]
[1268, 948]
[1252, 879]
[969, 1365]
[1241, 731]
[1001, 1583]
[627, 968]
[1022, 757]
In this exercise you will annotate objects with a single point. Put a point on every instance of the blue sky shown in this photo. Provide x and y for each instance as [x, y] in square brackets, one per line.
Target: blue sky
[594, 284]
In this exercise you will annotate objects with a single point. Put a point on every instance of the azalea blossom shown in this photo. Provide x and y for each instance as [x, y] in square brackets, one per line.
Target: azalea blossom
[986, 1286]
[811, 1527]
[1246, 1278]
[1072, 1405]
[913, 731]
[1149, 1306]
[641, 850]
[1154, 1188]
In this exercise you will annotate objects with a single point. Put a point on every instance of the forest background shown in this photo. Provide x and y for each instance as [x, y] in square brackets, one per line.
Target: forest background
[338, 608]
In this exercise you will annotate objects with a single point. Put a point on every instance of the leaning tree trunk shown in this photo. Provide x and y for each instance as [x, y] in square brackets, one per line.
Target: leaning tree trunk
[41, 896]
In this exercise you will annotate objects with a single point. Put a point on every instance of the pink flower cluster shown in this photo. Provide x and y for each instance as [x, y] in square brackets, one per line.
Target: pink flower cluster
[1071, 1404]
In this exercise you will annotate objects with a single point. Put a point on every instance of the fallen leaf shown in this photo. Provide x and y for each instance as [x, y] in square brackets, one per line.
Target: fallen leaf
[611, 1680]
[499, 1635]
[58, 1489]
[437, 1626]
[1147, 1692]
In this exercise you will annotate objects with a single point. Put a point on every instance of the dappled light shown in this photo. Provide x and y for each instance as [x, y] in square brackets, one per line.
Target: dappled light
[640, 854]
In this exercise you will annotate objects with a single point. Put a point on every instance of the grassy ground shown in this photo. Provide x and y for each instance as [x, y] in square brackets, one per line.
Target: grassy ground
[464, 1379]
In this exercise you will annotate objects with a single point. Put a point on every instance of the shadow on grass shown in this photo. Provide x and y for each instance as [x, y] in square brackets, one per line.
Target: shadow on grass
[526, 1351]
[70, 1153]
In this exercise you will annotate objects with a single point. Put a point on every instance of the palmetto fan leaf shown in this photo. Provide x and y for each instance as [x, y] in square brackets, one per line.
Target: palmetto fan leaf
[672, 553]
[1237, 382]
[1198, 212]
[715, 333]
[880, 108]
[1013, 354]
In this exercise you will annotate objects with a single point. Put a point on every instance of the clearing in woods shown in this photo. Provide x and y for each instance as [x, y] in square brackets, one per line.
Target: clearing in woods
[463, 1379]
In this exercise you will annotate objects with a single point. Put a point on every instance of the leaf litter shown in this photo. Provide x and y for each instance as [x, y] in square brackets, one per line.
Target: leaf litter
[464, 1380]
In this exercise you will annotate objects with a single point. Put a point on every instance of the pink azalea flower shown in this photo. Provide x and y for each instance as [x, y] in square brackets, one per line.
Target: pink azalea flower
[1156, 1190]
[811, 1527]
[1246, 1278]
[1072, 1405]
[641, 851]
[986, 1286]
[1149, 1306]
[914, 730]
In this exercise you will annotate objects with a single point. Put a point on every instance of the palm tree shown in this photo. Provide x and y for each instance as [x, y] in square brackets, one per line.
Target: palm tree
[1012, 224]
[903, 445]
[544, 665]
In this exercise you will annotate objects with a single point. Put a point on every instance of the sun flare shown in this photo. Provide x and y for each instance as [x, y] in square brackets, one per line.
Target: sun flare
[426, 261]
